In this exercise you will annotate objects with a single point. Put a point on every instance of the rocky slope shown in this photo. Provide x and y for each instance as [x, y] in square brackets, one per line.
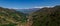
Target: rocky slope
[46, 17]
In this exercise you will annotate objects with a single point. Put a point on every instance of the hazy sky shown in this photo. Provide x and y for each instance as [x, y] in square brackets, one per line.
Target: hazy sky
[28, 3]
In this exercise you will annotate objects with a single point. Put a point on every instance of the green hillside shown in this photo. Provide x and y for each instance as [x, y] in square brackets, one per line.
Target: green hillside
[11, 17]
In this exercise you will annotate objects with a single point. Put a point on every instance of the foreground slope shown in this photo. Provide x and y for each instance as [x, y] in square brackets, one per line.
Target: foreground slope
[10, 17]
[46, 17]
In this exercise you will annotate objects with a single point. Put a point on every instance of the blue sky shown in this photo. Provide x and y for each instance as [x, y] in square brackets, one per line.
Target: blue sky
[28, 3]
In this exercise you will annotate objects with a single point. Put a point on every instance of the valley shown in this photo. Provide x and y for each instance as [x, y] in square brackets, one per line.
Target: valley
[46, 16]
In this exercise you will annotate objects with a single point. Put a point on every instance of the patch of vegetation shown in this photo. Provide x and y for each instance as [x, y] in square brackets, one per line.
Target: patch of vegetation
[10, 24]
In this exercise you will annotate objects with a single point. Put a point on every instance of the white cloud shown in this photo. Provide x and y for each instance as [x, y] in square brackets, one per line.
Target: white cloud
[43, 6]
[18, 8]
[32, 7]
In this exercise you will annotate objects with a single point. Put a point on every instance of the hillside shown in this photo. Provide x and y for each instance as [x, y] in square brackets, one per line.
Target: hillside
[46, 17]
[11, 17]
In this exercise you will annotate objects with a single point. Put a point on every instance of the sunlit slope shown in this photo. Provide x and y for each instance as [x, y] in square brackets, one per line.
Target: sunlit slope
[46, 17]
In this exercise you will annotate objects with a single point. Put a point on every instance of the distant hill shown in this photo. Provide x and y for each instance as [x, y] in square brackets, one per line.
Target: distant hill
[27, 11]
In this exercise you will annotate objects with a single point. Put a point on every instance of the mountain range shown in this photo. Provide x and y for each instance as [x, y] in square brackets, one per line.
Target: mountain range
[27, 11]
[46, 16]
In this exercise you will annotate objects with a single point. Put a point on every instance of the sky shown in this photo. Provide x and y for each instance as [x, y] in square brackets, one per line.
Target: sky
[25, 4]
